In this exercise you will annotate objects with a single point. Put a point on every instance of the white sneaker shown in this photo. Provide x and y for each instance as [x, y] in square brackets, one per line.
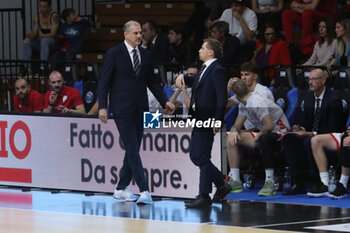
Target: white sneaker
[145, 198]
[125, 194]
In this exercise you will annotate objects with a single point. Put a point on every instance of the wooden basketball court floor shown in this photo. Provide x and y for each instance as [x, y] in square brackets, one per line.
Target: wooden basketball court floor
[40, 211]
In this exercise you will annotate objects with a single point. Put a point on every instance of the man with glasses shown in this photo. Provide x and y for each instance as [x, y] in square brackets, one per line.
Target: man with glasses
[320, 112]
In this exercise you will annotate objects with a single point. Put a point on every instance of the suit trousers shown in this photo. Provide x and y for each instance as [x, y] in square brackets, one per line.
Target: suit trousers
[298, 154]
[200, 154]
[269, 147]
[131, 131]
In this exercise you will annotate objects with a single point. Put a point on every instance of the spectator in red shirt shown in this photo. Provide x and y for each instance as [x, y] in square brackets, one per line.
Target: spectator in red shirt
[27, 100]
[307, 14]
[62, 98]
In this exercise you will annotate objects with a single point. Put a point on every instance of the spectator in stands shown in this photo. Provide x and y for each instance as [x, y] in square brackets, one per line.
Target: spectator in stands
[268, 11]
[266, 117]
[62, 98]
[230, 44]
[26, 99]
[155, 42]
[182, 96]
[205, 14]
[41, 38]
[306, 13]
[181, 50]
[332, 142]
[271, 50]
[242, 21]
[70, 39]
[325, 47]
[342, 51]
[320, 112]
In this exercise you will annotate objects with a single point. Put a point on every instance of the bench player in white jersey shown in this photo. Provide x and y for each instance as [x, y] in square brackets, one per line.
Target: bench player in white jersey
[333, 142]
[249, 74]
[265, 116]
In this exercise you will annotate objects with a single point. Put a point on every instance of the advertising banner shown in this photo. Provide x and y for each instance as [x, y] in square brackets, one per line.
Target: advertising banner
[84, 154]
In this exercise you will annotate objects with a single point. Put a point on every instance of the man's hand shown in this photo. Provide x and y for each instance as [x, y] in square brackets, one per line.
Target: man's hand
[216, 129]
[103, 115]
[237, 15]
[294, 5]
[53, 97]
[233, 138]
[230, 83]
[180, 80]
[304, 133]
[169, 108]
[297, 128]
[63, 109]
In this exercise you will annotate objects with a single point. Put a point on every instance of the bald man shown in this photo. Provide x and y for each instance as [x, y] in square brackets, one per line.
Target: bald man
[320, 112]
[62, 98]
[26, 99]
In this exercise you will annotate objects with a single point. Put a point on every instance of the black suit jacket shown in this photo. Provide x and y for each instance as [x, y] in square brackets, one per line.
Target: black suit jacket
[209, 94]
[160, 50]
[332, 116]
[128, 94]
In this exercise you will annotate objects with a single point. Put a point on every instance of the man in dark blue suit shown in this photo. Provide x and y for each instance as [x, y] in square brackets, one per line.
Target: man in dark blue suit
[320, 112]
[156, 43]
[208, 101]
[127, 71]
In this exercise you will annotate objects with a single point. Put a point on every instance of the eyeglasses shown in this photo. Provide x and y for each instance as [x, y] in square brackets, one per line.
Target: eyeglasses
[313, 79]
[270, 34]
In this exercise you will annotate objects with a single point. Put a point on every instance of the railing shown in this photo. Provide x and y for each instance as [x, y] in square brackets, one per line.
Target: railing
[12, 32]
[11, 70]
[16, 22]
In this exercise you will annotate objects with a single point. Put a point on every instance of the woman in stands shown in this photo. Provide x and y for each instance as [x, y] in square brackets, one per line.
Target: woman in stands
[342, 51]
[325, 47]
[268, 11]
[41, 37]
[271, 49]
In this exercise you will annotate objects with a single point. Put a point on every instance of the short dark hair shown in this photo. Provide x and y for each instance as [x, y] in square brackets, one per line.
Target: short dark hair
[66, 12]
[240, 88]
[152, 25]
[47, 1]
[250, 66]
[222, 26]
[241, 2]
[179, 28]
[214, 45]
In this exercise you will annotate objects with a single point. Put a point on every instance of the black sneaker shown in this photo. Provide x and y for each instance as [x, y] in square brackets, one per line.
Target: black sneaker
[221, 192]
[318, 190]
[339, 192]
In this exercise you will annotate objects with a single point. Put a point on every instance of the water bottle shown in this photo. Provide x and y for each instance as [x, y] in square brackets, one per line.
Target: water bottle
[287, 179]
[332, 182]
[249, 180]
[278, 183]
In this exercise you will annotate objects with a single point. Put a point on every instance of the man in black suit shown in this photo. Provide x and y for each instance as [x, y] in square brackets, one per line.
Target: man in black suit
[230, 43]
[156, 43]
[208, 100]
[320, 112]
[127, 71]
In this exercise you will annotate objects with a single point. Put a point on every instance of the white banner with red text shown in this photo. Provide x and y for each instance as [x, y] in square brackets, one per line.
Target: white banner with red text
[84, 154]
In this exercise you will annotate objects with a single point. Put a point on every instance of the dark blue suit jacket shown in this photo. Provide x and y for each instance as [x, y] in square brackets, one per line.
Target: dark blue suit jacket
[332, 116]
[128, 94]
[209, 94]
[160, 50]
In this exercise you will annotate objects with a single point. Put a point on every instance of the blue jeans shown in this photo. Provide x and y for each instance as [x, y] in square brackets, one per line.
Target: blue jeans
[44, 46]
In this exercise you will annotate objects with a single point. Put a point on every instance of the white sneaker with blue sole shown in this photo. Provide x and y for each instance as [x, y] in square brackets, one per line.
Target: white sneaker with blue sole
[145, 198]
[125, 194]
